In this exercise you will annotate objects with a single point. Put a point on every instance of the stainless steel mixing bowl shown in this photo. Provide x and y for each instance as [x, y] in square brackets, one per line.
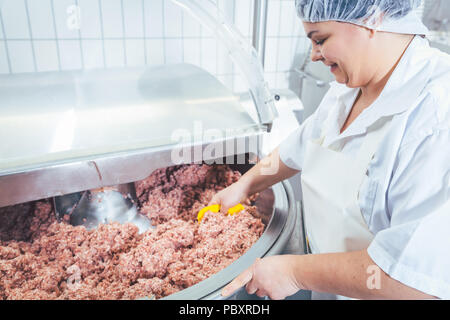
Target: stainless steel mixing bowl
[279, 213]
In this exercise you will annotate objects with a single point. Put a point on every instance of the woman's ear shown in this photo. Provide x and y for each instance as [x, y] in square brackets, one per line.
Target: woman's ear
[372, 33]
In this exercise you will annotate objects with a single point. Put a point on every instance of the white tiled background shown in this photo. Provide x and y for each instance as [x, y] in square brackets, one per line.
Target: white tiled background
[35, 36]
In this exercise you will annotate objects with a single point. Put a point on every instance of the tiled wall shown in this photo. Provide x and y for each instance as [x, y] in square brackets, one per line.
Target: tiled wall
[52, 35]
[41, 35]
[286, 45]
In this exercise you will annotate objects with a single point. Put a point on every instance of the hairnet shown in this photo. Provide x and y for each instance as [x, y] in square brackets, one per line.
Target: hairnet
[396, 16]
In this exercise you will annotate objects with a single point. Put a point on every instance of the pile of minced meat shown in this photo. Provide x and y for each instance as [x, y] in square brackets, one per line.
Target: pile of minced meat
[41, 258]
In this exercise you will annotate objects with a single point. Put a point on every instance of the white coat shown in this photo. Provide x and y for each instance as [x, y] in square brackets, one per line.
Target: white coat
[401, 199]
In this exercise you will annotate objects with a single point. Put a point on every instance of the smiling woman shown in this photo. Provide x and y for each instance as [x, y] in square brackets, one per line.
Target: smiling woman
[374, 161]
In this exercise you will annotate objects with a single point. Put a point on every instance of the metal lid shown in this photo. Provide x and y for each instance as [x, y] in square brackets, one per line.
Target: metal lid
[48, 118]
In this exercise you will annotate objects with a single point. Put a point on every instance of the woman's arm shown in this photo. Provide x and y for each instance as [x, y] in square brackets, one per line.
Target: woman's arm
[351, 274]
[266, 173]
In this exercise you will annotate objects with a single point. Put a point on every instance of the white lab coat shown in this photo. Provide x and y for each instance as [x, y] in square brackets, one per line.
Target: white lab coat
[408, 180]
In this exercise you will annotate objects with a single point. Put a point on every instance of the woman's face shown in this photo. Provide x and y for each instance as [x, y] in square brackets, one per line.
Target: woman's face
[346, 48]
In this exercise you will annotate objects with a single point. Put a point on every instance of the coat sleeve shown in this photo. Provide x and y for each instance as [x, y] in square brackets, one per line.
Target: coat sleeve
[415, 249]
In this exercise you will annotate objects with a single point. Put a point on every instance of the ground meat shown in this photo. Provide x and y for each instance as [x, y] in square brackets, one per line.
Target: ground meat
[41, 258]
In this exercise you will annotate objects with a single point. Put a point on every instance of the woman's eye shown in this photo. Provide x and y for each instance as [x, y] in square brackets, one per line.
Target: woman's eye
[319, 42]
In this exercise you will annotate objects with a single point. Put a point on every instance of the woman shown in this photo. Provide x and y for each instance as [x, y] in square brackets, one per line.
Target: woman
[374, 161]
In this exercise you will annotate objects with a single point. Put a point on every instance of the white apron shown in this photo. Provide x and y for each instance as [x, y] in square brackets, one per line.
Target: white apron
[330, 185]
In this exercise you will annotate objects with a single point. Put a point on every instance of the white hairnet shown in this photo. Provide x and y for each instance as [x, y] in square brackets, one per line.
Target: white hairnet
[396, 16]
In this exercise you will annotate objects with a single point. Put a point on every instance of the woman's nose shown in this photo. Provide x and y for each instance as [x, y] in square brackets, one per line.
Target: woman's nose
[316, 55]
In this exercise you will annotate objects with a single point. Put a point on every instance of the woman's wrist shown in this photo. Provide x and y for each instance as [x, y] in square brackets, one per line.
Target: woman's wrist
[246, 185]
[297, 267]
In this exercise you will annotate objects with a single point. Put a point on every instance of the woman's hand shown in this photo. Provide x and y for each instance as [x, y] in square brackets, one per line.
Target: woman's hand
[271, 276]
[264, 174]
[231, 196]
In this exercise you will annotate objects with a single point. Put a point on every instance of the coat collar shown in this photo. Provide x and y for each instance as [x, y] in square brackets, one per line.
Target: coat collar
[406, 83]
